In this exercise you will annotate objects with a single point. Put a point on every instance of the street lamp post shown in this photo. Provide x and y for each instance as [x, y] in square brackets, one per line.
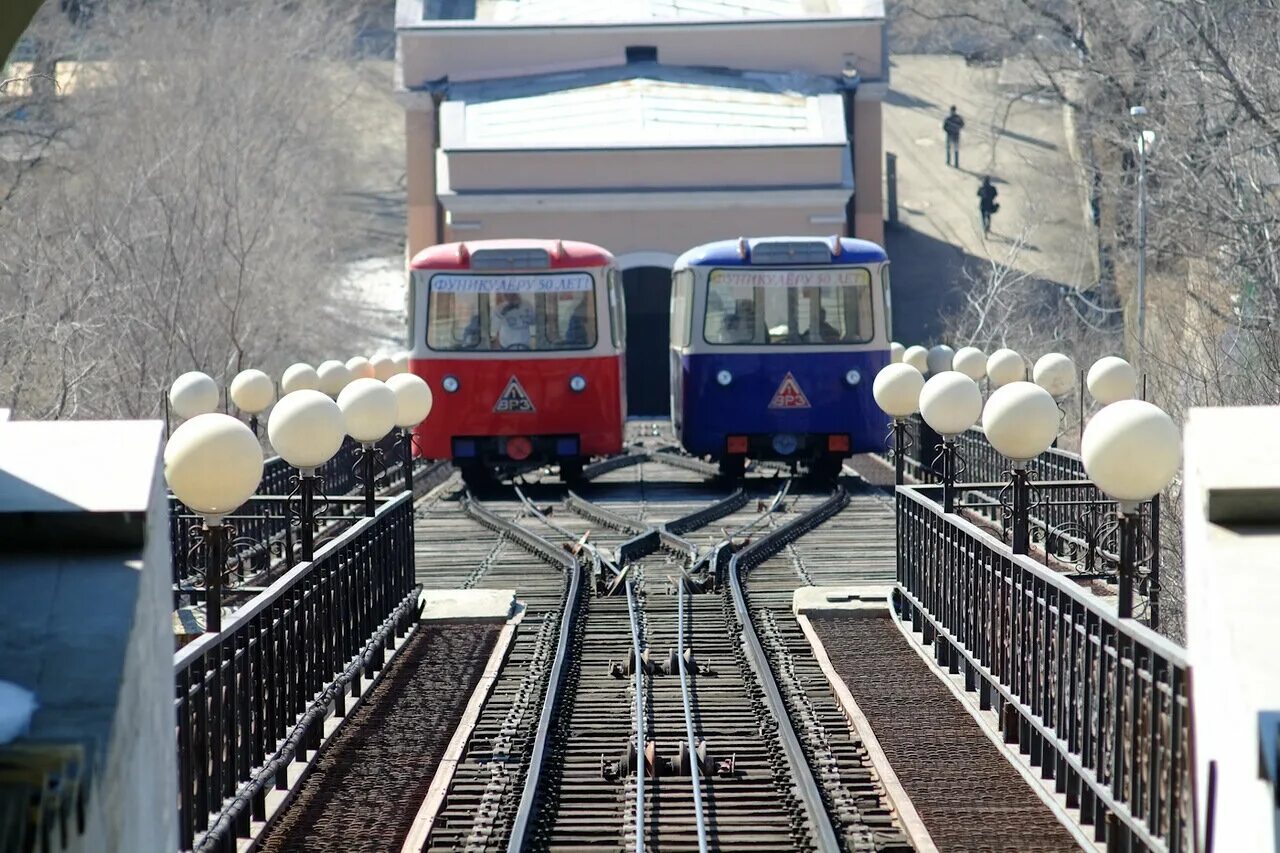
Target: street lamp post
[213, 464]
[306, 428]
[950, 403]
[1132, 450]
[413, 404]
[1021, 421]
[897, 392]
[369, 411]
[1145, 139]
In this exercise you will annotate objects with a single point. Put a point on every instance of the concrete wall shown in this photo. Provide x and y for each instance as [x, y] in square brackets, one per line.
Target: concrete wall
[420, 178]
[474, 52]
[133, 805]
[868, 221]
[1231, 500]
[85, 620]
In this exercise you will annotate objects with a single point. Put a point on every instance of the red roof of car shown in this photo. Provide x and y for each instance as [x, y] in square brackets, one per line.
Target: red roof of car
[564, 253]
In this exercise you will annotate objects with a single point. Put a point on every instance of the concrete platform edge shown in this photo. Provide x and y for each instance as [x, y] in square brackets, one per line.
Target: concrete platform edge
[420, 829]
[912, 825]
[988, 723]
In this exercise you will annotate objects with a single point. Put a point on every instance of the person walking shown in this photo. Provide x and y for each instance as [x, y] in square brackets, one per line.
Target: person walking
[952, 127]
[987, 203]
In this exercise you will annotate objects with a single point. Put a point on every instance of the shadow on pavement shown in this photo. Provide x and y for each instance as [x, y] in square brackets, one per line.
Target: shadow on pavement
[929, 278]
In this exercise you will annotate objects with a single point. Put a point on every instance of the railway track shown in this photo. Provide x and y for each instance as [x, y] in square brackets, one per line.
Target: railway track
[656, 693]
[693, 747]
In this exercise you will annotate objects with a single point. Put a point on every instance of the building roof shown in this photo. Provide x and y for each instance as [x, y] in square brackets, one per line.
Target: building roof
[606, 12]
[643, 105]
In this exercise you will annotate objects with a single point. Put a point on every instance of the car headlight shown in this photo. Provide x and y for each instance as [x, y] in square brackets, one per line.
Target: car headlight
[450, 384]
[853, 377]
[724, 377]
[577, 383]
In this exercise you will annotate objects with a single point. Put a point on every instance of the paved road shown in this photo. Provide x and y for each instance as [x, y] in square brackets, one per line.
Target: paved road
[1022, 142]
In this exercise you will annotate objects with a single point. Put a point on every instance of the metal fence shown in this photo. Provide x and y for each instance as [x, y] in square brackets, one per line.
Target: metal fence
[256, 694]
[1099, 704]
[980, 462]
[1072, 520]
[265, 535]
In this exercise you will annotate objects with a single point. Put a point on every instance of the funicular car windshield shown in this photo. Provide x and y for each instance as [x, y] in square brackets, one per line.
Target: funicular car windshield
[541, 312]
[828, 305]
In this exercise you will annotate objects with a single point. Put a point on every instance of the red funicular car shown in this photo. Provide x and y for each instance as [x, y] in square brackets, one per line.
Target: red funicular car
[522, 343]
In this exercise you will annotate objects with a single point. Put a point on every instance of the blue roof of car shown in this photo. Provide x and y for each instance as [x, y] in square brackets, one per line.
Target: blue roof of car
[726, 253]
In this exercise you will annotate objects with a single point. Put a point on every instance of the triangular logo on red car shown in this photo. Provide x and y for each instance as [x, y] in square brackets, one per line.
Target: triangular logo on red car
[513, 399]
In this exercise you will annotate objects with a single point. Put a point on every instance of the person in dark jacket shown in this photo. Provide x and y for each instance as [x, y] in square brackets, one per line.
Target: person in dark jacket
[952, 127]
[987, 203]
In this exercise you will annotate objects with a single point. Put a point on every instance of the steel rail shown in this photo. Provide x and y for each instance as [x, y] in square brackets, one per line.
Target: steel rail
[694, 770]
[639, 714]
[526, 814]
[808, 790]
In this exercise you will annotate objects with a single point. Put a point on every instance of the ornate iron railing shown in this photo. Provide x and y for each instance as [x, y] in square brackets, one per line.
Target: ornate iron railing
[266, 535]
[1072, 521]
[1098, 703]
[981, 462]
[256, 694]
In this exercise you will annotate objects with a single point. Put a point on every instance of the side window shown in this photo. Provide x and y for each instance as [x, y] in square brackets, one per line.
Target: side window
[888, 302]
[617, 308]
[411, 305]
[681, 307]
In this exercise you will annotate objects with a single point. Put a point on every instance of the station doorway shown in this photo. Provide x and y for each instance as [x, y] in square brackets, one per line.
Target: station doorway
[648, 293]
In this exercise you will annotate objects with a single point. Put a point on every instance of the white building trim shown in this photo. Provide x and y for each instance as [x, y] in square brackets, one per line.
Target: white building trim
[821, 200]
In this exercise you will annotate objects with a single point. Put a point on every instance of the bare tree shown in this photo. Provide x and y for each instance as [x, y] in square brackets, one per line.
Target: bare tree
[185, 219]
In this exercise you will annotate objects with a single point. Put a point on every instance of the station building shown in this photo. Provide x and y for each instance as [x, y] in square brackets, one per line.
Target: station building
[646, 126]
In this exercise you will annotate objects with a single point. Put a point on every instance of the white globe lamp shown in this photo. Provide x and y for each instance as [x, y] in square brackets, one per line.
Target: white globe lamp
[972, 362]
[299, 377]
[384, 367]
[1132, 451]
[1005, 366]
[368, 408]
[306, 428]
[361, 368]
[193, 394]
[1055, 373]
[213, 464]
[413, 399]
[897, 392]
[939, 359]
[252, 391]
[1112, 379]
[334, 376]
[402, 362]
[917, 357]
[895, 352]
[1021, 422]
[950, 403]
[369, 411]
[413, 404]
